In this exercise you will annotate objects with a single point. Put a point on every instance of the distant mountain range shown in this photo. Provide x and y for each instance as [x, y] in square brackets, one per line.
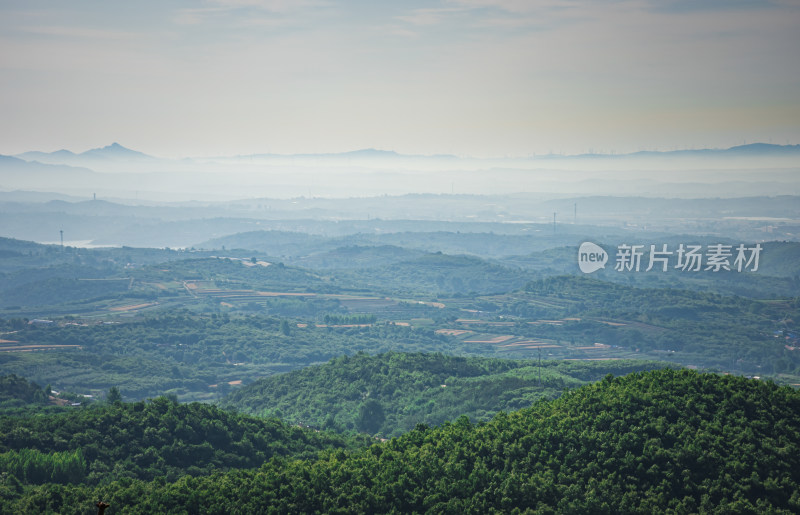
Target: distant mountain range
[117, 171]
[749, 149]
[115, 151]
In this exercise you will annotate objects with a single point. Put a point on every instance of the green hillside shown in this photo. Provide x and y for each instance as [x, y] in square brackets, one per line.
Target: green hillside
[149, 346]
[664, 441]
[391, 393]
[356, 256]
[437, 274]
[148, 440]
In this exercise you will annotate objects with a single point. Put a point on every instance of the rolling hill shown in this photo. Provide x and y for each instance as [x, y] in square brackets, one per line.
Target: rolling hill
[663, 441]
[391, 393]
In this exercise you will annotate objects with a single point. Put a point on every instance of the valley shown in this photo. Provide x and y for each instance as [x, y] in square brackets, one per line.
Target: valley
[354, 340]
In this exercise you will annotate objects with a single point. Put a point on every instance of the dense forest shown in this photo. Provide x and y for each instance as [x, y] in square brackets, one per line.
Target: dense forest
[389, 394]
[148, 440]
[658, 441]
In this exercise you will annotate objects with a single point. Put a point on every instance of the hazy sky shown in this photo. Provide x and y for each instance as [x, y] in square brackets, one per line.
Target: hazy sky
[469, 77]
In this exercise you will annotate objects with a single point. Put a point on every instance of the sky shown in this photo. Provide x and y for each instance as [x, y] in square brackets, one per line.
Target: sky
[467, 77]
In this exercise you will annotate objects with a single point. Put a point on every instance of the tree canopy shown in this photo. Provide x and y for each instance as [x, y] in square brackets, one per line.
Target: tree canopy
[659, 441]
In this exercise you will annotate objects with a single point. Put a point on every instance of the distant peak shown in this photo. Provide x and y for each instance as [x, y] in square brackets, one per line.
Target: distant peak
[114, 146]
[114, 150]
[62, 152]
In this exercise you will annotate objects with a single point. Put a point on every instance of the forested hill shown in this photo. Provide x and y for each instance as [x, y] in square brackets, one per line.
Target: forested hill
[651, 442]
[147, 440]
[390, 393]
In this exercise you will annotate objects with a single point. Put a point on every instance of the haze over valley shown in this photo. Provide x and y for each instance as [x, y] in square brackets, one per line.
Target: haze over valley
[115, 172]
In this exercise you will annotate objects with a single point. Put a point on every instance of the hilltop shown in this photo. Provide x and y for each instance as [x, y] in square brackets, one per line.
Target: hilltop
[147, 440]
[391, 393]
